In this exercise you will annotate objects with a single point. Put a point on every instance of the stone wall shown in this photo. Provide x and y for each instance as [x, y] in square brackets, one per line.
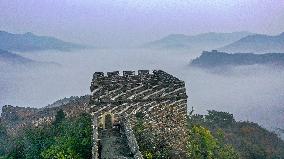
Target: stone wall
[131, 140]
[124, 132]
[160, 96]
[95, 150]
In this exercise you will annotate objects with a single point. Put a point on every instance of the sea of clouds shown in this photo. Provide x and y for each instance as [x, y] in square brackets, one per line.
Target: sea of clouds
[254, 93]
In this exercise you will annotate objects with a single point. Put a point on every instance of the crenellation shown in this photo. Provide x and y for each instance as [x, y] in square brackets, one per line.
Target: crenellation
[131, 77]
[143, 72]
[128, 73]
[98, 75]
[113, 74]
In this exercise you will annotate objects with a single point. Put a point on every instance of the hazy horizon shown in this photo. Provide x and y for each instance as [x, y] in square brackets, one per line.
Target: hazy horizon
[126, 23]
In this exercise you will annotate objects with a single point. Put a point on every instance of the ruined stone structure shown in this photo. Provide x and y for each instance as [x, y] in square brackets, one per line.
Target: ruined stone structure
[160, 97]
[15, 118]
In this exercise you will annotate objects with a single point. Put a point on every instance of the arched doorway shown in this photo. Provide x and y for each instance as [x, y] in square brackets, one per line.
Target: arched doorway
[108, 121]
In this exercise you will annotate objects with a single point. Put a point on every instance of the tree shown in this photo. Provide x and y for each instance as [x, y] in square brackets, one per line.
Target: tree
[64, 148]
[65, 139]
[201, 143]
[228, 152]
[74, 140]
[223, 119]
[59, 117]
[36, 140]
[3, 139]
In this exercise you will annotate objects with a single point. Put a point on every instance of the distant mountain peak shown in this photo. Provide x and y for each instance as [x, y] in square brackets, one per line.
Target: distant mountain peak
[202, 41]
[31, 42]
[219, 59]
[259, 43]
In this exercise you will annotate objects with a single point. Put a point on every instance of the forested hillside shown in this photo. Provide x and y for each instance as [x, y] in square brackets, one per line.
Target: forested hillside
[64, 138]
[214, 135]
[250, 140]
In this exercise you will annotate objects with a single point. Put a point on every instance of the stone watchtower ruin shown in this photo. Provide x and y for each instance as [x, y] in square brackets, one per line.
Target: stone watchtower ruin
[159, 96]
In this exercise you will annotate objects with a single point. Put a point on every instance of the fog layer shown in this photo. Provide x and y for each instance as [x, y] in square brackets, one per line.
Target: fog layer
[253, 93]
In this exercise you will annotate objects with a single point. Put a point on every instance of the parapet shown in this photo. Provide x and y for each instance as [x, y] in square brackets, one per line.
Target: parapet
[112, 79]
[98, 74]
[128, 73]
[143, 72]
[113, 74]
[116, 74]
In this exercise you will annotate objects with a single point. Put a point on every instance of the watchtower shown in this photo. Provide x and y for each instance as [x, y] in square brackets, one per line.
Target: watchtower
[159, 96]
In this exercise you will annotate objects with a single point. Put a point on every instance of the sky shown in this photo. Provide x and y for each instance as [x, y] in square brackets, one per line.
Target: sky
[131, 23]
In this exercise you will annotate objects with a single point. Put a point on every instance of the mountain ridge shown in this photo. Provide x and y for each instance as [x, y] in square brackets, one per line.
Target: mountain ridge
[259, 43]
[8, 58]
[31, 42]
[219, 59]
[208, 40]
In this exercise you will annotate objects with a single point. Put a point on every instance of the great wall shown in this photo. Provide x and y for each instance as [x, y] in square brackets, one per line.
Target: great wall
[115, 100]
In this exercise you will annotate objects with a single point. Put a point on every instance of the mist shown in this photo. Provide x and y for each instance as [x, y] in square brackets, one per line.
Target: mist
[254, 93]
[130, 23]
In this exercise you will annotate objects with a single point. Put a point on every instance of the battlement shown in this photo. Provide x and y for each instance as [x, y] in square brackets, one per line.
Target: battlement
[114, 74]
[157, 85]
[139, 74]
[130, 79]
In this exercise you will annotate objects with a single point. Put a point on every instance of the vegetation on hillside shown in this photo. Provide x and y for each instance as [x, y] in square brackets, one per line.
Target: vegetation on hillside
[248, 139]
[64, 139]
[3, 140]
[201, 144]
[215, 135]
